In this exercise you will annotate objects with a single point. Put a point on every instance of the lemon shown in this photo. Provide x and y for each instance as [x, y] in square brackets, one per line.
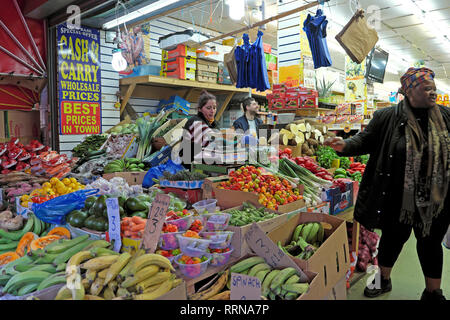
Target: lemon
[54, 180]
[24, 204]
[61, 189]
[66, 181]
[46, 185]
[73, 180]
[25, 197]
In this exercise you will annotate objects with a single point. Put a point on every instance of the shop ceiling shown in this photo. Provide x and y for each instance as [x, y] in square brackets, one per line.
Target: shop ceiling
[403, 32]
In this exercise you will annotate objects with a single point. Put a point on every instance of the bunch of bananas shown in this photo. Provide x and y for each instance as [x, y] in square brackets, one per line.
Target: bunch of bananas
[277, 284]
[117, 276]
[43, 268]
[307, 237]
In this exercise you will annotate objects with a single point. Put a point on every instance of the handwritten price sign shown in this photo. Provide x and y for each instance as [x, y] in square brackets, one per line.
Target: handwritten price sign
[112, 207]
[156, 218]
[244, 287]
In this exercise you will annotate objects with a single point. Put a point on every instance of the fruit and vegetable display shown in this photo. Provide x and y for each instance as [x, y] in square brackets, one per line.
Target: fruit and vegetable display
[50, 190]
[115, 187]
[306, 239]
[273, 191]
[117, 145]
[249, 214]
[367, 247]
[89, 145]
[325, 156]
[311, 165]
[113, 276]
[355, 172]
[128, 128]
[125, 165]
[14, 156]
[132, 227]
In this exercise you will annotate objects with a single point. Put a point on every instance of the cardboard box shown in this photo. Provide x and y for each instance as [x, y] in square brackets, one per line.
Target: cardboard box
[331, 260]
[296, 150]
[343, 109]
[132, 178]
[273, 76]
[267, 48]
[262, 246]
[175, 102]
[130, 245]
[183, 74]
[206, 79]
[278, 104]
[279, 93]
[339, 201]
[209, 66]
[309, 100]
[24, 125]
[238, 242]
[339, 291]
[179, 63]
[271, 61]
[227, 199]
[292, 100]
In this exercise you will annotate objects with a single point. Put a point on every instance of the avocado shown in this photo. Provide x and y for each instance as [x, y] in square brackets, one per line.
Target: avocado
[99, 224]
[77, 220]
[89, 222]
[133, 204]
[99, 206]
[141, 214]
[89, 202]
[121, 201]
[122, 212]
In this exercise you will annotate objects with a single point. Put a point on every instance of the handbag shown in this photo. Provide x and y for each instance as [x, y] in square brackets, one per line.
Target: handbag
[357, 37]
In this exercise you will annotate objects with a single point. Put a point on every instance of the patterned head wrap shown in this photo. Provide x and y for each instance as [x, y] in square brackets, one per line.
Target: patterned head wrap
[415, 76]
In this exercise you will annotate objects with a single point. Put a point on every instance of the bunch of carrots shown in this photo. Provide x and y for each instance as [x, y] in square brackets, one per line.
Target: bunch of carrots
[132, 227]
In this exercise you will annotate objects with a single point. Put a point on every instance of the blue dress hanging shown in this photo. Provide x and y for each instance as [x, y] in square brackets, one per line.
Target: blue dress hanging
[262, 78]
[316, 31]
[242, 56]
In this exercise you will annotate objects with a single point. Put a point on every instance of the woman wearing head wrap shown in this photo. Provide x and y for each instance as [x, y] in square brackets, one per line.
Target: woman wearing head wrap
[405, 184]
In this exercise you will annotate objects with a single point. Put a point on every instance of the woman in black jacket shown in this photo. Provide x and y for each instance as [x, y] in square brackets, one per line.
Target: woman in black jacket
[405, 184]
[197, 128]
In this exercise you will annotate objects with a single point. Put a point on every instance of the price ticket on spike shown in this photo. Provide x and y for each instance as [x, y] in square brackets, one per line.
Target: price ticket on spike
[112, 207]
[156, 218]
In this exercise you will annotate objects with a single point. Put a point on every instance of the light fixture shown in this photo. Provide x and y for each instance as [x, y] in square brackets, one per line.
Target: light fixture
[138, 13]
[118, 62]
[236, 9]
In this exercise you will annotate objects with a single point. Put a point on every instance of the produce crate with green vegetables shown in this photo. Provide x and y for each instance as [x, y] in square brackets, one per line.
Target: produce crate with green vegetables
[182, 179]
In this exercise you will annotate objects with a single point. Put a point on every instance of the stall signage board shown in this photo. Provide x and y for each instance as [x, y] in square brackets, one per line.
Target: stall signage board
[156, 218]
[79, 80]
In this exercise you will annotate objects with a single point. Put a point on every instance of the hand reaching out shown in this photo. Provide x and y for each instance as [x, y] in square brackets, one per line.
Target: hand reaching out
[337, 143]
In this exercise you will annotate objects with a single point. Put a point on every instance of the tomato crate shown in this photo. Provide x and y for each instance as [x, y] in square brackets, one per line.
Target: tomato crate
[190, 195]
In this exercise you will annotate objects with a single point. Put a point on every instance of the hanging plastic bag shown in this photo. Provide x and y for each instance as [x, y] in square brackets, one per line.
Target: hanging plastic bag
[55, 210]
[157, 172]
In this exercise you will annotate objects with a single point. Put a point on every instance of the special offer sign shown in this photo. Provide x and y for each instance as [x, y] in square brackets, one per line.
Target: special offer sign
[79, 83]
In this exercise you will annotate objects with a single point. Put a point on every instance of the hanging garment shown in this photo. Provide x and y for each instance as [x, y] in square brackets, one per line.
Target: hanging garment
[242, 56]
[316, 31]
[262, 78]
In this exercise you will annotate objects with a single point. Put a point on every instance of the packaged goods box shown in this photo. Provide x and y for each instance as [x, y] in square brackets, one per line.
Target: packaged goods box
[331, 260]
[339, 201]
[132, 178]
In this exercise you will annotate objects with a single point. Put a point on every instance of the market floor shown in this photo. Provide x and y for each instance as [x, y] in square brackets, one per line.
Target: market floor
[407, 278]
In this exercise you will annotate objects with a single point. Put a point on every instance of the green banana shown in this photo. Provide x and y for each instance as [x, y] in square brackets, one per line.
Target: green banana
[16, 235]
[313, 234]
[51, 282]
[64, 256]
[302, 243]
[37, 226]
[61, 266]
[306, 231]
[10, 266]
[24, 278]
[261, 275]
[246, 264]
[281, 277]
[4, 278]
[298, 288]
[61, 247]
[98, 244]
[4, 240]
[320, 234]
[98, 252]
[267, 281]
[293, 279]
[44, 267]
[297, 232]
[26, 289]
[9, 246]
[259, 267]
[48, 258]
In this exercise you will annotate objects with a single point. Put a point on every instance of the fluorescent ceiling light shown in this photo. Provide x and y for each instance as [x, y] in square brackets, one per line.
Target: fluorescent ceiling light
[138, 13]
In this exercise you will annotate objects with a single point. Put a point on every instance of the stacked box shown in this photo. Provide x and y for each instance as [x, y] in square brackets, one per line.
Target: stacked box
[284, 97]
[271, 61]
[207, 71]
[179, 63]
[223, 76]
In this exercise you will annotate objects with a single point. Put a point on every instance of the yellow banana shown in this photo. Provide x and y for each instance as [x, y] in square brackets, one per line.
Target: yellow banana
[77, 259]
[113, 285]
[116, 267]
[63, 293]
[90, 275]
[212, 290]
[102, 274]
[99, 263]
[156, 279]
[96, 287]
[86, 284]
[124, 272]
[141, 275]
[108, 294]
[122, 292]
[148, 259]
[165, 287]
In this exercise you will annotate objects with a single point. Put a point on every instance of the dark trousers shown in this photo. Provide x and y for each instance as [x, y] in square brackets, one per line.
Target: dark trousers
[429, 248]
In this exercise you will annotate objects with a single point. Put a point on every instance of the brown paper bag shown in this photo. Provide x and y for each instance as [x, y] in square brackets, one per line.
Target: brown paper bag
[230, 64]
[357, 37]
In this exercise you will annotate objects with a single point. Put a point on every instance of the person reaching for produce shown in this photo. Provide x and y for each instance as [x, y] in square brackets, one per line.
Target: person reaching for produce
[198, 127]
[405, 184]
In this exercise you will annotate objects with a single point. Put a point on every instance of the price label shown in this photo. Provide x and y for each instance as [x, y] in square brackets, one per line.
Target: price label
[244, 287]
[112, 207]
[22, 211]
[156, 218]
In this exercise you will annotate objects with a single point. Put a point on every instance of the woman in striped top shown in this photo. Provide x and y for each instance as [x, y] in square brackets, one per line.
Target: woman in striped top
[198, 127]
